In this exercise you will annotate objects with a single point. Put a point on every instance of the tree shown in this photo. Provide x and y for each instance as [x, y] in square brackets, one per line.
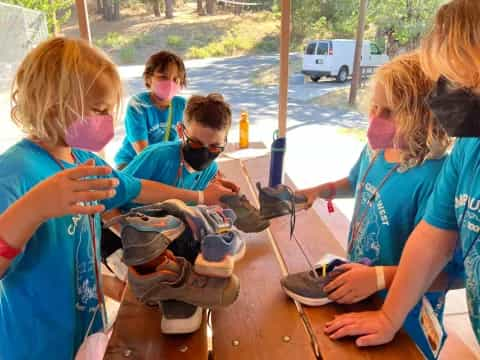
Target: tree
[211, 6]
[169, 9]
[200, 9]
[57, 11]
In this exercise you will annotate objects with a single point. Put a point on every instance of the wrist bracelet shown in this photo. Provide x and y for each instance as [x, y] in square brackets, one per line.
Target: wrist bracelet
[201, 198]
[380, 277]
[7, 251]
[332, 192]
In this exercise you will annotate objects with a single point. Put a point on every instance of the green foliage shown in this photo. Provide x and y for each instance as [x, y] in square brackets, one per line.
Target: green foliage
[175, 41]
[127, 54]
[57, 11]
[113, 40]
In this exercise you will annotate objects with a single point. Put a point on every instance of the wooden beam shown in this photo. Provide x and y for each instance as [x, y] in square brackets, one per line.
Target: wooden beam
[284, 49]
[83, 24]
[362, 17]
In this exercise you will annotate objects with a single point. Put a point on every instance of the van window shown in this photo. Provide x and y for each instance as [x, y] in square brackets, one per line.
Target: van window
[322, 48]
[374, 50]
[310, 49]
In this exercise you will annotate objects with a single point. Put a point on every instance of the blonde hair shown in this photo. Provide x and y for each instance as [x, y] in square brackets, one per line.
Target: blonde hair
[452, 48]
[52, 85]
[406, 87]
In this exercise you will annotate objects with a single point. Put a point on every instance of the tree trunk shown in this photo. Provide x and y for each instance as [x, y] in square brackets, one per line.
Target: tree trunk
[108, 10]
[116, 9]
[200, 9]
[156, 7]
[99, 7]
[169, 9]
[211, 7]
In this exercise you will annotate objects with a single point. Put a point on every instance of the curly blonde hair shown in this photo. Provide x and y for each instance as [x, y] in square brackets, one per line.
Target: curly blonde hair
[452, 47]
[54, 84]
[406, 87]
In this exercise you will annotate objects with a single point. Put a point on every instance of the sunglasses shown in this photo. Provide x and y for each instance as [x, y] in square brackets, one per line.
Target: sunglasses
[195, 144]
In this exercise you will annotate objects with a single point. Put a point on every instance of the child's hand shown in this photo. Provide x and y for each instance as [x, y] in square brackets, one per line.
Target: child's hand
[214, 192]
[311, 195]
[66, 192]
[356, 284]
[228, 184]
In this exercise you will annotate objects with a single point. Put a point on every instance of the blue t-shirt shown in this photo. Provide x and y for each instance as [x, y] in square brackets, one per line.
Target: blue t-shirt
[161, 162]
[145, 121]
[48, 294]
[458, 185]
[398, 207]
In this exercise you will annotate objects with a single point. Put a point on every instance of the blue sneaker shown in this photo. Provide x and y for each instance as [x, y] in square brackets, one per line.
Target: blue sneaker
[279, 201]
[219, 254]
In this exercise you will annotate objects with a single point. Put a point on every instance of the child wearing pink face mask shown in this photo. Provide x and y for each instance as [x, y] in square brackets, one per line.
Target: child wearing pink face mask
[151, 116]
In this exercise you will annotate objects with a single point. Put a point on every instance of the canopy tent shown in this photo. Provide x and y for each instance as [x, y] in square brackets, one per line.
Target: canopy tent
[279, 144]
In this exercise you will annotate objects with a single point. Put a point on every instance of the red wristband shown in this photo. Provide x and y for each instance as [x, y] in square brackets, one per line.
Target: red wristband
[7, 251]
[331, 195]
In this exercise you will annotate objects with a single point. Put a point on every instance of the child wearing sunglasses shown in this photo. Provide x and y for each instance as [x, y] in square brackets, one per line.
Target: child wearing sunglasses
[151, 116]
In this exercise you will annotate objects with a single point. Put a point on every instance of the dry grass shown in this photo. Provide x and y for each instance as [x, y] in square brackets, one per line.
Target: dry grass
[271, 75]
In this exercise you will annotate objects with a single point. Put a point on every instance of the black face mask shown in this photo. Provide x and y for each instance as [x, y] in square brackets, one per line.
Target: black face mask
[457, 110]
[198, 159]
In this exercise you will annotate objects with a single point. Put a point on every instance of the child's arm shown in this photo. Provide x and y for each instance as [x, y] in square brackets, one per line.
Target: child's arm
[57, 196]
[139, 146]
[334, 190]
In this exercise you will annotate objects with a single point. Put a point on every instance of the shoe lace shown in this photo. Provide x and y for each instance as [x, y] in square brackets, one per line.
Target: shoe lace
[293, 219]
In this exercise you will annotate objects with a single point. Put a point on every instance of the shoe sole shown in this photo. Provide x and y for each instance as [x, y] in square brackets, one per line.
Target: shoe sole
[305, 300]
[183, 326]
[220, 269]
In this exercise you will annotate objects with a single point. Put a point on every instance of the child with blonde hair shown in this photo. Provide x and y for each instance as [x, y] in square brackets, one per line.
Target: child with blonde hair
[391, 183]
[450, 55]
[52, 187]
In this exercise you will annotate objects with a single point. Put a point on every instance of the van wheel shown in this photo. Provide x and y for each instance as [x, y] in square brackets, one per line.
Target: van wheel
[342, 74]
[315, 78]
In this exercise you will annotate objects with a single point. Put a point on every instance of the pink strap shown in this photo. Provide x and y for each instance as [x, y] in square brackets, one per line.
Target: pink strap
[7, 251]
[331, 195]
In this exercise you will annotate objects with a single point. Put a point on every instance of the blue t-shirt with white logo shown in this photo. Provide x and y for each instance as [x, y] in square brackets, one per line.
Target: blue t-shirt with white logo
[48, 294]
[398, 207]
[455, 205]
[146, 122]
[162, 163]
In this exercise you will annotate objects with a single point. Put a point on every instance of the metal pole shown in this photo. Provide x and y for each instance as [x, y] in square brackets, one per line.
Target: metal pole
[362, 17]
[83, 24]
[284, 50]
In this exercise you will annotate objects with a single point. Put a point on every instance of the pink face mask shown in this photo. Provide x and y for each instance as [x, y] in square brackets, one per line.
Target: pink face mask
[165, 89]
[90, 133]
[381, 133]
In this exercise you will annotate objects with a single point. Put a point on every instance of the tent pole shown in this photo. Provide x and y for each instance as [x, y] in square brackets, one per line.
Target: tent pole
[362, 17]
[83, 24]
[284, 50]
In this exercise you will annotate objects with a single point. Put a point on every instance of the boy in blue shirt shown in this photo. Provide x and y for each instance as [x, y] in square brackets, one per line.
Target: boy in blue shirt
[151, 116]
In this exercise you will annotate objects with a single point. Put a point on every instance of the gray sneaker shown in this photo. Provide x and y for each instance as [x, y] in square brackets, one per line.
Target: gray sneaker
[248, 217]
[306, 288]
[144, 237]
[279, 201]
[174, 279]
[180, 318]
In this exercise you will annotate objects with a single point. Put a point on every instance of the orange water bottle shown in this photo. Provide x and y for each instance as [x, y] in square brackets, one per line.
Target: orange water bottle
[244, 124]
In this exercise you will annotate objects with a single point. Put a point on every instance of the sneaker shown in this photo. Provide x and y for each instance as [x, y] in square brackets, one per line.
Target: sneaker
[219, 254]
[277, 201]
[248, 217]
[306, 288]
[174, 279]
[219, 220]
[180, 318]
[144, 238]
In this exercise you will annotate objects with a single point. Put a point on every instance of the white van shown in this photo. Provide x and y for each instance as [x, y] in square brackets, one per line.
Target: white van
[334, 58]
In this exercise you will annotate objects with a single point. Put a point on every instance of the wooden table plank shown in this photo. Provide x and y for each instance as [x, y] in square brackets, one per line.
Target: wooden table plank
[137, 335]
[317, 239]
[262, 324]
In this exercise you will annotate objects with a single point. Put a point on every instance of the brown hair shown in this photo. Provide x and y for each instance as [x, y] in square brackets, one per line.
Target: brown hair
[160, 62]
[210, 111]
[53, 83]
[406, 87]
[452, 48]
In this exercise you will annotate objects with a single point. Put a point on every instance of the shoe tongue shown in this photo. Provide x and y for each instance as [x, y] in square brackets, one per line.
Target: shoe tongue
[170, 268]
